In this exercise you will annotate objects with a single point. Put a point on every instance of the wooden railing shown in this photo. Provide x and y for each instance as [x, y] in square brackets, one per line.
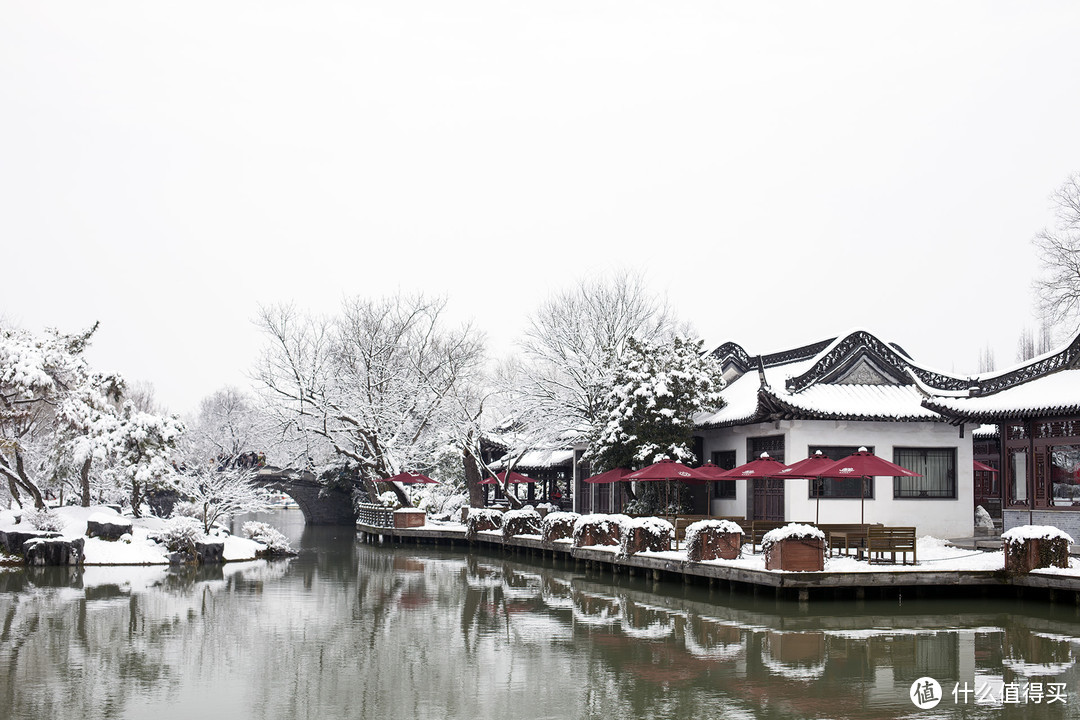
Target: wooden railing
[374, 515]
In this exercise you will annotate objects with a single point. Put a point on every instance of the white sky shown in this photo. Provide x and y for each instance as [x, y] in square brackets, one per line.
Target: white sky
[784, 171]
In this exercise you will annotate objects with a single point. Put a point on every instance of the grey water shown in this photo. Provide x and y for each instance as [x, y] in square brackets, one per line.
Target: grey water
[347, 630]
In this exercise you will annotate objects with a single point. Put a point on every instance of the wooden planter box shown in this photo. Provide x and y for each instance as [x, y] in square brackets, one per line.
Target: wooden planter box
[409, 518]
[713, 544]
[798, 554]
[638, 539]
[1032, 553]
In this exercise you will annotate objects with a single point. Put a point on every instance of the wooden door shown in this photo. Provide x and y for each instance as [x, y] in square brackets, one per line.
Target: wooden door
[769, 499]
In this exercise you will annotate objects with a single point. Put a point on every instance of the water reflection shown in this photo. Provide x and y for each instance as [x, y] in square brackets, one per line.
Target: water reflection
[353, 631]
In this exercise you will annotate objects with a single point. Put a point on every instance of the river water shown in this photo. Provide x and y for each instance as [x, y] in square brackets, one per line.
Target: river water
[347, 630]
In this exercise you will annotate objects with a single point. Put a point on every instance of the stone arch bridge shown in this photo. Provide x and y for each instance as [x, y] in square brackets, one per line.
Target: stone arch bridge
[320, 505]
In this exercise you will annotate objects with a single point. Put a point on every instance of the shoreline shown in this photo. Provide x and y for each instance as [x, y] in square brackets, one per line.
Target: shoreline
[880, 582]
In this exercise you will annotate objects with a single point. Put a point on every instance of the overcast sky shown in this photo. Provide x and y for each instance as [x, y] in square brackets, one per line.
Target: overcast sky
[783, 171]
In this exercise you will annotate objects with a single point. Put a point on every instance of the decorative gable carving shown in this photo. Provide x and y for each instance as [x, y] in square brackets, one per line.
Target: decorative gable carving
[864, 372]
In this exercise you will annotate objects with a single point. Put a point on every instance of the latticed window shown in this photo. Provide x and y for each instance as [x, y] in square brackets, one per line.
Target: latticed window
[937, 466]
[725, 460]
[774, 445]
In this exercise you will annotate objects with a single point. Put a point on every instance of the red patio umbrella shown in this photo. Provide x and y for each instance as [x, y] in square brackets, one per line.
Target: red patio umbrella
[610, 476]
[515, 478]
[863, 464]
[984, 467]
[667, 470]
[804, 469]
[764, 466]
[411, 478]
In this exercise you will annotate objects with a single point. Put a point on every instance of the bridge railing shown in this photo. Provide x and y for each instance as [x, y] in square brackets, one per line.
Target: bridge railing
[374, 515]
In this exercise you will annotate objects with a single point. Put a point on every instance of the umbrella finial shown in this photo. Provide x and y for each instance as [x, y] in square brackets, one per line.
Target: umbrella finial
[764, 455]
[863, 449]
[818, 453]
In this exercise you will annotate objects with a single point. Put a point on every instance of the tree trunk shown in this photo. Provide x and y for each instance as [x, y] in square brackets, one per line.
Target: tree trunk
[84, 479]
[401, 496]
[472, 481]
[511, 497]
[136, 498]
[26, 483]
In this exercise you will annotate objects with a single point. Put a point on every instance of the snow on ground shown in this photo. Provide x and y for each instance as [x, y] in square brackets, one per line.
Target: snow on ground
[933, 554]
[138, 549]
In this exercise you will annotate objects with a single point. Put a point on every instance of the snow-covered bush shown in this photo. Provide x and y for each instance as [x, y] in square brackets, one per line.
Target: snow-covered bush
[598, 529]
[481, 519]
[710, 539]
[983, 521]
[44, 520]
[645, 534]
[275, 541]
[523, 521]
[390, 499]
[791, 531]
[1035, 532]
[545, 508]
[446, 508]
[183, 508]
[558, 525]
[180, 534]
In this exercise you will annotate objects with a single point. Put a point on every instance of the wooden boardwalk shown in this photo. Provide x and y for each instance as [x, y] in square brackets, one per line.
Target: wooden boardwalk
[794, 585]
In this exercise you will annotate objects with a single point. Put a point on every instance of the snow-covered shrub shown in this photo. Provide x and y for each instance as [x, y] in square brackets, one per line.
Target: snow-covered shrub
[645, 534]
[275, 541]
[390, 499]
[45, 520]
[451, 507]
[481, 519]
[1028, 547]
[558, 525]
[598, 529]
[183, 508]
[545, 508]
[524, 521]
[180, 534]
[983, 521]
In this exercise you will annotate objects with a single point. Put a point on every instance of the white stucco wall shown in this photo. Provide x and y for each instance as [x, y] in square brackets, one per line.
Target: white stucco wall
[939, 517]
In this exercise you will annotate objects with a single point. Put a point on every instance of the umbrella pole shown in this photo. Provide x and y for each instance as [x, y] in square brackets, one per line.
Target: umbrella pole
[862, 503]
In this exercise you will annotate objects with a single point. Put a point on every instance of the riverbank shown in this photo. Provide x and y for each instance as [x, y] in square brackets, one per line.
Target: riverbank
[137, 548]
[942, 570]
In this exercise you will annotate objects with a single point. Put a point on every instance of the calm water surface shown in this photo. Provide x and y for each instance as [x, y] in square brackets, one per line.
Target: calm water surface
[352, 631]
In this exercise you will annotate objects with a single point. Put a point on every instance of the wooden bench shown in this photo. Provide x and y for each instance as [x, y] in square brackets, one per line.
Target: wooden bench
[882, 539]
[846, 536]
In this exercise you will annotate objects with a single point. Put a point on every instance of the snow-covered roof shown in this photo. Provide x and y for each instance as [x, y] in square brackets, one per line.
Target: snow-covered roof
[545, 458]
[855, 376]
[1050, 395]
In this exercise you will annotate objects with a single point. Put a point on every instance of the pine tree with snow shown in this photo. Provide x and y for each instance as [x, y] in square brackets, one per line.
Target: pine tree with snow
[652, 403]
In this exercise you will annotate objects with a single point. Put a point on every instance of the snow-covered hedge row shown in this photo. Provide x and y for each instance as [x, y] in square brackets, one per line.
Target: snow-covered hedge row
[792, 531]
[558, 525]
[523, 521]
[481, 519]
[598, 529]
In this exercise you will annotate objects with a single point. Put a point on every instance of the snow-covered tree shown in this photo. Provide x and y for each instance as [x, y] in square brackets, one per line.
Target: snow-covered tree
[651, 406]
[1057, 289]
[577, 338]
[373, 384]
[214, 495]
[229, 423]
[140, 446]
[49, 400]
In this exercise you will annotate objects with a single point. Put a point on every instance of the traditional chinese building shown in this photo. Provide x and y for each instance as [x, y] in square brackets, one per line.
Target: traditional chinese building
[1036, 408]
[836, 396]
